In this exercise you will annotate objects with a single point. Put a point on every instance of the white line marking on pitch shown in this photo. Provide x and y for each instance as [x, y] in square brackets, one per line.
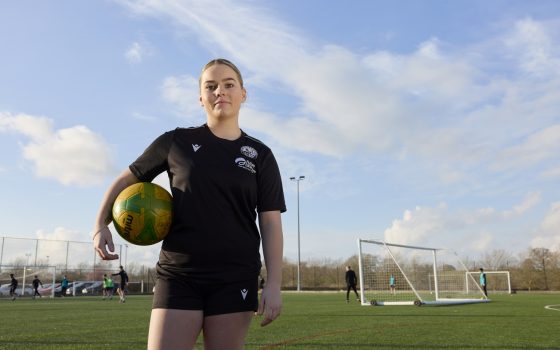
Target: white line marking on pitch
[553, 307]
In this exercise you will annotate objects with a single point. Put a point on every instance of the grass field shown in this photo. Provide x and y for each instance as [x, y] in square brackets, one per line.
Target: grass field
[309, 321]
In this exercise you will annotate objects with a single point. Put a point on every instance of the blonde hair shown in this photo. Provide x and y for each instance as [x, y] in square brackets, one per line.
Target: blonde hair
[224, 62]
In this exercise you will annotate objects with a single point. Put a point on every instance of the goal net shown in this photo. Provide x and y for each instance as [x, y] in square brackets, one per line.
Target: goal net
[396, 274]
[496, 281]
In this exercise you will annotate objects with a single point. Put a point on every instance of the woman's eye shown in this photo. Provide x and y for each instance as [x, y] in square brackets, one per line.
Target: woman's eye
[211, 87]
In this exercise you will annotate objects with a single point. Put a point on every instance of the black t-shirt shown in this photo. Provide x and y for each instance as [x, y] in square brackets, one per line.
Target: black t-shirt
[351, 278]
[123, 275]
[218, 187]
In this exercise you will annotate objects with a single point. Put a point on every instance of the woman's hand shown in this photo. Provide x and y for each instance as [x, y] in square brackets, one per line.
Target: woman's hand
[103, 243]
[270, 304]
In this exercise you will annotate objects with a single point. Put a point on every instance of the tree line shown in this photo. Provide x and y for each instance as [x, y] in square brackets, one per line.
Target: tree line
[537, 269]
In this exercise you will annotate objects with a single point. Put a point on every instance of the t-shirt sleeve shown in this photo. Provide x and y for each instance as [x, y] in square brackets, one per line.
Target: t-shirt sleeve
[154, 159]
[270, 191]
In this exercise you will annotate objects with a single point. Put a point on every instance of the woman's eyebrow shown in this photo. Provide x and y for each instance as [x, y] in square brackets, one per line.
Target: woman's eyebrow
[223, 80]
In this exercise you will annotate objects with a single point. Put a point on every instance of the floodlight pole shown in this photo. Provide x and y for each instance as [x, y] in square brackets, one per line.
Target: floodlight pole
[297, 180]
[125, 256]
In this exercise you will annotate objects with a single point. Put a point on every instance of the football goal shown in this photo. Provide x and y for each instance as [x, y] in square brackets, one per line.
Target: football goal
[25, 275]
[397, 274]
[496, 281]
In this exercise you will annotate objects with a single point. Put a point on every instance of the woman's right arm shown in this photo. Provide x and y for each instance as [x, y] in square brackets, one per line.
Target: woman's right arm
[102, 237]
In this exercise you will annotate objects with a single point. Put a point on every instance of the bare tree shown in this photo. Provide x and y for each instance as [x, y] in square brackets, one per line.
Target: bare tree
[542, 259]
[498, 259]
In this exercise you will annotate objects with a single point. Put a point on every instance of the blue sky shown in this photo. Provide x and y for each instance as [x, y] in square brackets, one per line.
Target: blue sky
[433, 123]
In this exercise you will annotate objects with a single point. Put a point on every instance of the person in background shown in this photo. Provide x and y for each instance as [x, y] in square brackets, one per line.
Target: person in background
[36, 282]
[351, 283]
[13, 286]
[227, 197]
[483, 281]
[63, 286]
[392, 284]
[107, 287]
[124, 282]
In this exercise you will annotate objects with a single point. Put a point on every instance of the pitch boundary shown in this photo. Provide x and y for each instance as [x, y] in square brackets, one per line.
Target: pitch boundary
[309, 337]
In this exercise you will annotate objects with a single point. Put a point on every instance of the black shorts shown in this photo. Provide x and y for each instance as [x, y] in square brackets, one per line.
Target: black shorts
[212, 299]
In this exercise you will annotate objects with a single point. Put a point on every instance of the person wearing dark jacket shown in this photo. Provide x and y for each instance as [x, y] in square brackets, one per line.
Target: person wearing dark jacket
[13, 286]
[36, 282]
[351, 282]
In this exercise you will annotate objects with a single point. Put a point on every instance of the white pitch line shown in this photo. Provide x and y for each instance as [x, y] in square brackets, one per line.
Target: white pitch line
[553, 307]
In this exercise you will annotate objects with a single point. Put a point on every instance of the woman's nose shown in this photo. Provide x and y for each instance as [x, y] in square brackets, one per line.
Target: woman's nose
[219, 91]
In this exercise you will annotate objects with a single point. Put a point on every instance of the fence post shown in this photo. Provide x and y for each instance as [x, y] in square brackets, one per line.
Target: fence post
[2, 253]
[67, 248]
[36, 250]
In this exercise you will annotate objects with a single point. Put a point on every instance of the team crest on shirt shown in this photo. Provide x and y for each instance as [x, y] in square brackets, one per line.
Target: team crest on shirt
[249, 151]
[245, 164]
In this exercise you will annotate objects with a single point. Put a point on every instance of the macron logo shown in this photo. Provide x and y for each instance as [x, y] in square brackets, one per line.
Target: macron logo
[195, 147]
[244, 293]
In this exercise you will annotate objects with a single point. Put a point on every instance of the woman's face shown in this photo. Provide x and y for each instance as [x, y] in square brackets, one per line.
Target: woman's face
[221, 93]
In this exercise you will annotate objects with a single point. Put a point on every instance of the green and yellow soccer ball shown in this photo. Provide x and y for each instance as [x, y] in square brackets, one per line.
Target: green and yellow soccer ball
[142, 213]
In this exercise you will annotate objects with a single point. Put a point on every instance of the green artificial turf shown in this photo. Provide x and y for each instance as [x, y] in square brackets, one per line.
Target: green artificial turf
[309, 321]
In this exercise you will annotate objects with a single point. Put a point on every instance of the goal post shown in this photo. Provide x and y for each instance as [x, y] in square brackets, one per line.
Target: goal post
[397, 274]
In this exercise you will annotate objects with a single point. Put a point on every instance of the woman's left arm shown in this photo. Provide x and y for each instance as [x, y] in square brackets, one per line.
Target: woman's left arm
[270, 305]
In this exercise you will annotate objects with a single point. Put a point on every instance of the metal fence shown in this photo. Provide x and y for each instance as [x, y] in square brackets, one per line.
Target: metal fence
[65, 255]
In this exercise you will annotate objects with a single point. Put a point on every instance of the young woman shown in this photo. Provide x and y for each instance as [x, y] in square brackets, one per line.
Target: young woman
[209, 263]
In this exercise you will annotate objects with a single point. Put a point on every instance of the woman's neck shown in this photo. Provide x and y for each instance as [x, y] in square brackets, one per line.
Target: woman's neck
[228, 130]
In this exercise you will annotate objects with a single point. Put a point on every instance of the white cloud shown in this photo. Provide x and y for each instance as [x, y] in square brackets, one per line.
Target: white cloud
[482, 242]
[183, 92]
[532, 44]
[418, 226]
[439, 103]
[468, 229]
[71, 156]
[530, 201]
[551, 173]
[35, 127]
[537, 147]
[144, 117]
[548, 234]
[61, 234]
[137, 52]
